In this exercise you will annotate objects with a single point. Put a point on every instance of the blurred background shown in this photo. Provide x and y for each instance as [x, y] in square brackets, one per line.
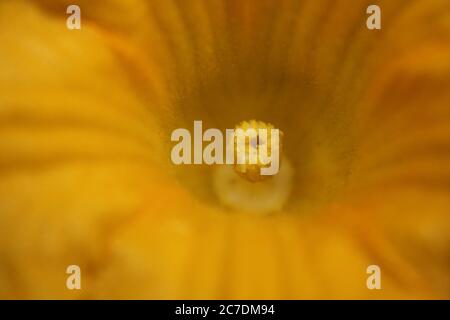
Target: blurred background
[85, 172]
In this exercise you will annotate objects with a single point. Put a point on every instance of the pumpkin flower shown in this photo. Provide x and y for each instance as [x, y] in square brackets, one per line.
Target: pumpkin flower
[86, 176]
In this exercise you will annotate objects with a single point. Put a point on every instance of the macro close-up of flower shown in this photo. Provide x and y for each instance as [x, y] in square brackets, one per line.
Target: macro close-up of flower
[86, 176]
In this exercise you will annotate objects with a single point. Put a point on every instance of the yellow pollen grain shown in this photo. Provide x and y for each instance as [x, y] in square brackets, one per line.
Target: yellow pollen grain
[252, 171]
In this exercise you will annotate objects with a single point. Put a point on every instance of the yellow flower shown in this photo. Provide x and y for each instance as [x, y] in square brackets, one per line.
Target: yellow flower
[86, 176]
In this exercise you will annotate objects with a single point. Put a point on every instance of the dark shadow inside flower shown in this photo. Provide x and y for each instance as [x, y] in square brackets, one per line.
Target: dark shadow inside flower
[317, 127]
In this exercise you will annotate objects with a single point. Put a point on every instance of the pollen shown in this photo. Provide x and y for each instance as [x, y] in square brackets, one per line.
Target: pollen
[256, 150]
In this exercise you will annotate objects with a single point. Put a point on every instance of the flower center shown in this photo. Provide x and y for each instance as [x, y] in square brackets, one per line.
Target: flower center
[250, 190]
[258, 148]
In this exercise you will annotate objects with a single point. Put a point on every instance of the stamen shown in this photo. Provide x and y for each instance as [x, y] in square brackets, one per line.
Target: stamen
[248, 160]
[249, 190]
[240, 195]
